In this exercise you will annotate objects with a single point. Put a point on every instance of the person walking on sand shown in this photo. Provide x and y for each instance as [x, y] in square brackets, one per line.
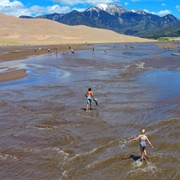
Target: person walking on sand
[143, 138]
[89, 96]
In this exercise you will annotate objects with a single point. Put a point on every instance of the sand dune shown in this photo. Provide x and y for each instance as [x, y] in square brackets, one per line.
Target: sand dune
[42, 31]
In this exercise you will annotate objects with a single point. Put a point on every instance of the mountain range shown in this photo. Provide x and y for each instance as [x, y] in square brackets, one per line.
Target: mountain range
[114, 17]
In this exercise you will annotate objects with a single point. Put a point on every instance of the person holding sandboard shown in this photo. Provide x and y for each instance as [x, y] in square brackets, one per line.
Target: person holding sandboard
[89, 96]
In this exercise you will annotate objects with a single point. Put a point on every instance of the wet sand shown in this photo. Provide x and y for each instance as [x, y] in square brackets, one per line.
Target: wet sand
[46, 134]
[12, 53]
[12, 75]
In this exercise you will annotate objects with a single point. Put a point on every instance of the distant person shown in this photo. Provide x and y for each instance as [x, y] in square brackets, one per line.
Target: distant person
[89, 97]
[93, 49]
[143, 138]
[49, 50]
[56, 50]
[72, 51]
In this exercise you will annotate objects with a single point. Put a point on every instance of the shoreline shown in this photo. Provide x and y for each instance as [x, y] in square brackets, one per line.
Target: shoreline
[14, 53]
[19, 52]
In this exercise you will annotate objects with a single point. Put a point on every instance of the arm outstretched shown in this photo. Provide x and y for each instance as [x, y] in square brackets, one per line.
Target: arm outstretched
[149, 142]
[135, 139]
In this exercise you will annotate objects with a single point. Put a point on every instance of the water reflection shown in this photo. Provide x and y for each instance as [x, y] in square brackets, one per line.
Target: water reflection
[165, 81]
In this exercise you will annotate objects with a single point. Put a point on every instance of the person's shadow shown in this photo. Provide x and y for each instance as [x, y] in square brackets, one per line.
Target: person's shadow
[84, 109]
[135, 158]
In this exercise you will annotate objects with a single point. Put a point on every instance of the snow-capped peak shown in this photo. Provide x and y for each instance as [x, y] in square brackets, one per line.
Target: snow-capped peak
[139, 11]
[102, 6]
[93, 9]
[112, 9]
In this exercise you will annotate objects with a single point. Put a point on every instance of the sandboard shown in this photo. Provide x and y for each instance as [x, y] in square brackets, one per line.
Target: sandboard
[95, 100]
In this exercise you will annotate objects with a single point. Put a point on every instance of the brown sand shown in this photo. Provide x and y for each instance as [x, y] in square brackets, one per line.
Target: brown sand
[11, 53]
[168, 45]
[12, 75]
[8, 53]
[17, 31]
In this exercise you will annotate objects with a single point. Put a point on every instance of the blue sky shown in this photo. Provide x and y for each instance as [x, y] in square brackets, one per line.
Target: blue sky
[40, 7]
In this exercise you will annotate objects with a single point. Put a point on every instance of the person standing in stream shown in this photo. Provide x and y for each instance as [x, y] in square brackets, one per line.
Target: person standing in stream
[143, 138]
[89, 97]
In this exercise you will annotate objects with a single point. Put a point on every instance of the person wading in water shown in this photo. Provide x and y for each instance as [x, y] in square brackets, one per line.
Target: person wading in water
[89, 97]
[143, 138]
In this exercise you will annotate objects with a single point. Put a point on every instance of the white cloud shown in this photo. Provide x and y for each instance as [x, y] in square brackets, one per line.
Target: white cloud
[160, 13]
[163, 4]
[38, 10]
[126, 3]
[178, 7]
[68, 2]
[11, 8]
[16, 8]
[7, 3]
[91, 2]
[146, 10]
[163, 12]
[80, 9]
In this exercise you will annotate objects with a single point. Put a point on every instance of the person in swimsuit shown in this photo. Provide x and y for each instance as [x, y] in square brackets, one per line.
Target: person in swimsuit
[89, 96]
[143, 138]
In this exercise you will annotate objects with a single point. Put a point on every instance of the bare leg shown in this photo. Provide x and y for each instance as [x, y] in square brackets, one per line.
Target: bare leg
[86, 107]
[145, 153]
[142, 149]
[90, 105]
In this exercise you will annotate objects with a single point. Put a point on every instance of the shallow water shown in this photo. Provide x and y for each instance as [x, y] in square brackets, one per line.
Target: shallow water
[46, 134]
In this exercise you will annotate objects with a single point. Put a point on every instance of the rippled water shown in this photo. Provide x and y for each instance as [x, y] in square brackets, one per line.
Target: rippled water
[46, 134]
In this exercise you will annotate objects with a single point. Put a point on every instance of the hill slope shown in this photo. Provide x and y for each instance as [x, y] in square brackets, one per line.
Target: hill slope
[42, 31]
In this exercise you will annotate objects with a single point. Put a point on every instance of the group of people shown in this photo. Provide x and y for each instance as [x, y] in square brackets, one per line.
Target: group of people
[142, 137]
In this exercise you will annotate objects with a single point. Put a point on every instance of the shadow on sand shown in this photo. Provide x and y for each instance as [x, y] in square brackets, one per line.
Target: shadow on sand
[135, 158]
[84, 109]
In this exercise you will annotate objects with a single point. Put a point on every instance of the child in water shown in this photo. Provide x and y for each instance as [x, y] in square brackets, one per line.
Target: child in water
[89, 96]
[143, 138]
